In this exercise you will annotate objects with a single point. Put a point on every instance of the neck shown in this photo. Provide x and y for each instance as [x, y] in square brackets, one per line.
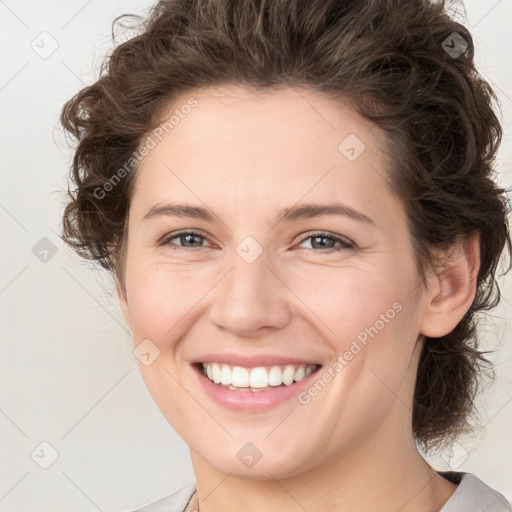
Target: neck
[398, 478]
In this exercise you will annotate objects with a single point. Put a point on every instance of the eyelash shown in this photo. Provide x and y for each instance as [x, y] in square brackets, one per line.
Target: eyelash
[345, 244]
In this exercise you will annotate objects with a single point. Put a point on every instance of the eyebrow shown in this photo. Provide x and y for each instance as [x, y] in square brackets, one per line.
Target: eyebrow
[309, 211]
[304, 211]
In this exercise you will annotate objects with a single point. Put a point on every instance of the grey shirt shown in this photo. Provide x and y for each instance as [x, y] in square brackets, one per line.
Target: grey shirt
[472, 495]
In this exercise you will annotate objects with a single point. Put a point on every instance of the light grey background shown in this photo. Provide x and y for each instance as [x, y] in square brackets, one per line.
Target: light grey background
[68, 374]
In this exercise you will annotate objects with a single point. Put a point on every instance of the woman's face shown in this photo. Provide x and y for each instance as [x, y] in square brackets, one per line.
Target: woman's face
[267, 282]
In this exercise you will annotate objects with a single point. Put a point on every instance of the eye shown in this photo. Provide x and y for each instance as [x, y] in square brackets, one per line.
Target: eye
[327, 241]
[193, 241]
[194, 238]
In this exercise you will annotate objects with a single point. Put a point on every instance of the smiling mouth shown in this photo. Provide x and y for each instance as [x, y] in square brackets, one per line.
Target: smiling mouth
[261, 378]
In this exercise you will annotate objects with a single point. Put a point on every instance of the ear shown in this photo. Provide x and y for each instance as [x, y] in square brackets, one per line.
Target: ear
[121, 294]
[452, 288]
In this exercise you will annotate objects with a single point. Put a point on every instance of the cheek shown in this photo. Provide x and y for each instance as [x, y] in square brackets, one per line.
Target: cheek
[380, 342]
[160, 297]
[346, 302]
[369, 318]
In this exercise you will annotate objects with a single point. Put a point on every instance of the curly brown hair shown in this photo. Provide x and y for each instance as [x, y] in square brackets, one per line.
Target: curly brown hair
[397, 62]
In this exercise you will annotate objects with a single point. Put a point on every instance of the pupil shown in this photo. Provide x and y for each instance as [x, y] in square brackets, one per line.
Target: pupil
[191, 237]
[323, 238]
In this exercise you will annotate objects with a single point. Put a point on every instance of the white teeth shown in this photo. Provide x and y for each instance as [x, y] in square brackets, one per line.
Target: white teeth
[275, 376]
[259, 378]
[239, 377]
[300, 373]
[288, 375]
[256, 379]
[216, 373]
[225, 375]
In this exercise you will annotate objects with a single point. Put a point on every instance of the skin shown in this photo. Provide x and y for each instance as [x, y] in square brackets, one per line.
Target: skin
[245, 156]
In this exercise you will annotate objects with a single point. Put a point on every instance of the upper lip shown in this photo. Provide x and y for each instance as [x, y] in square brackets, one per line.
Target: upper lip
[254, 361]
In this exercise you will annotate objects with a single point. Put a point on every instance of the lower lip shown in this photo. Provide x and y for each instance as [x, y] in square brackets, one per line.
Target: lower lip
[252, 401]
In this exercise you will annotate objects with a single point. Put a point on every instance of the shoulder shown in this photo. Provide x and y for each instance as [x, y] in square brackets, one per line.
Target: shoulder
[175, 502]
[473, 495]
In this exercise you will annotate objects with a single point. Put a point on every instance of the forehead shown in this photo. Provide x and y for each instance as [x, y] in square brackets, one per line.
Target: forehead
[273, 120]
[254, 149]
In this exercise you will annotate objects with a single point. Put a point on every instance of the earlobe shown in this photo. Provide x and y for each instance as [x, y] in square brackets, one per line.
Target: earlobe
[452, 288]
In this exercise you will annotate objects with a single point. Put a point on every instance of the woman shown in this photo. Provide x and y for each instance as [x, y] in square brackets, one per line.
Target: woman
[296, 202]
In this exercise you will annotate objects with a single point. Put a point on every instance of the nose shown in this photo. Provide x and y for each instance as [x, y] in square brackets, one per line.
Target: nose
[250, 299]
